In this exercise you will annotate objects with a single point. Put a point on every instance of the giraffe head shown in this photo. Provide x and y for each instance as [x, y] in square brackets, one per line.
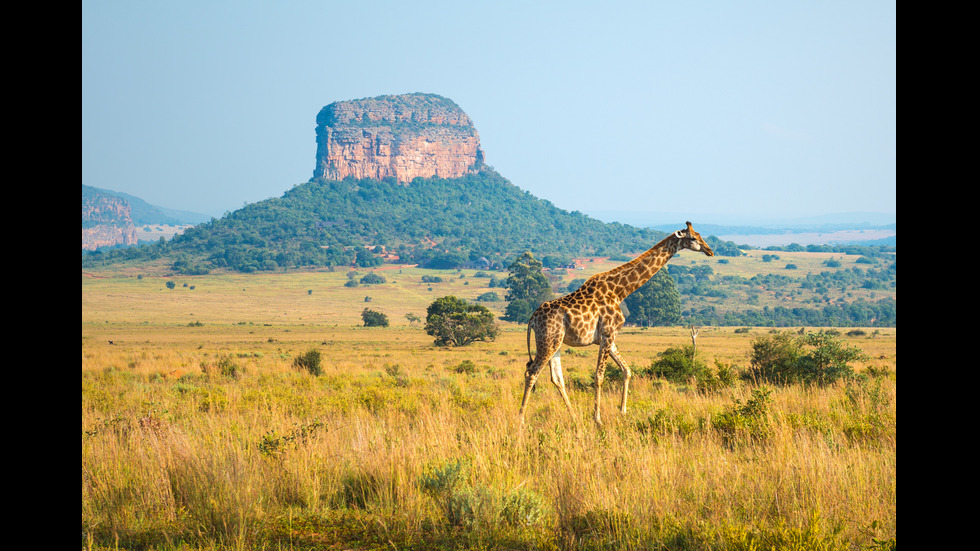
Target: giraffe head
[690, 239]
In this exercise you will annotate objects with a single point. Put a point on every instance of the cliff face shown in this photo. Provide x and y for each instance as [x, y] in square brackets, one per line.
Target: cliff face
[406, 136]
[106, 221]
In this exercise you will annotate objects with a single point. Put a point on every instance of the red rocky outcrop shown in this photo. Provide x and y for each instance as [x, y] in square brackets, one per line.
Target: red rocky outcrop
[106, 221]
[405, 136]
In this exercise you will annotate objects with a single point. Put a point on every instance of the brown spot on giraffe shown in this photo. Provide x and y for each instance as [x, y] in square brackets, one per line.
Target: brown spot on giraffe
[591, 315]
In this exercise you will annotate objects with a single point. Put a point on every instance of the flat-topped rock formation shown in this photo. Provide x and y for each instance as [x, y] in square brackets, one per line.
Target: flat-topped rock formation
[404, 137]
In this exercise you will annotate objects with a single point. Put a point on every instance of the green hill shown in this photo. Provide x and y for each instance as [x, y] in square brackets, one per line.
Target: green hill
[433, 222]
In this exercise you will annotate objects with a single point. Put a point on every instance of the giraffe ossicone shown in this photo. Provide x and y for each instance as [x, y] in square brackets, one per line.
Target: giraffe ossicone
[592, 315]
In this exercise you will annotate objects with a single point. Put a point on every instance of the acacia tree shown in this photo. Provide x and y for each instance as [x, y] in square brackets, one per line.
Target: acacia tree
[453, 321]
[527, 288]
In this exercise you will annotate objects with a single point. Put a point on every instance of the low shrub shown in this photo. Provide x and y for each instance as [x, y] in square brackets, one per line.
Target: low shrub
[675, 364]
[224, 366]
[810, 358]
[310, 362]
[464, 504]
[712, 380]
[373, 279]
[465, 367]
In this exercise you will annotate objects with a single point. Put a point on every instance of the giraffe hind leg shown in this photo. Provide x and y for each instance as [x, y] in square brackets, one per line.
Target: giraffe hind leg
[559, 380]
[600, 373]
[546, 347]
[627, 375]
[530, 377]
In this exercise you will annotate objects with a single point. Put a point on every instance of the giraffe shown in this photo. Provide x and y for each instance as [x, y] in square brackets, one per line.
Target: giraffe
[592, 315]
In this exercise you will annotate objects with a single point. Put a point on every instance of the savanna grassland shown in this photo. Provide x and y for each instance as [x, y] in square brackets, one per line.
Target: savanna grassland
[199, 431]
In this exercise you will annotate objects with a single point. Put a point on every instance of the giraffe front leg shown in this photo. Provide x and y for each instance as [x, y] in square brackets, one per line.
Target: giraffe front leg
[627, 375]
[600, 373]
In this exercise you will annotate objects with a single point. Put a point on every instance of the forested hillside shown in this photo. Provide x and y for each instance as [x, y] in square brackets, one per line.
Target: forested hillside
[434, 222]
[447, 223]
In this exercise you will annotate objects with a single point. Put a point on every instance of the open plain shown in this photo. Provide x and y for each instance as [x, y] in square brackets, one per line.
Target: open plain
[199, 431]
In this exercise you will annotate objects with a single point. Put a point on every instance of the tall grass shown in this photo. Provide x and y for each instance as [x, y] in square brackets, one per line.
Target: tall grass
[394, 446]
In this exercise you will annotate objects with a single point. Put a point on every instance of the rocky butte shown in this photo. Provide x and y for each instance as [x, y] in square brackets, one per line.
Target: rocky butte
[403, 136]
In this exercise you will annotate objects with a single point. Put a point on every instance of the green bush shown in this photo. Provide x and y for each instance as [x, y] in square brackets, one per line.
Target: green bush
[373, 279]
[228, 368]
[675, 365]
[723, 376]
[374, 319]
[827, 360]
[811, 358]
[489, 296]
[466, 367]
[224, 366]
[774, 358]
[309, 361]
[443, 479]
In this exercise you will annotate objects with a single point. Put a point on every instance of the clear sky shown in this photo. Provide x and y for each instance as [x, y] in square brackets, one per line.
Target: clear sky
[713, 110]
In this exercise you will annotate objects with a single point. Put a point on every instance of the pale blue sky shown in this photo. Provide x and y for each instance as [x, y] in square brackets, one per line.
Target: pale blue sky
[712, 110]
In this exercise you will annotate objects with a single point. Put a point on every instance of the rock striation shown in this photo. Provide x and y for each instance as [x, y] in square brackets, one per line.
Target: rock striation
[106, 221]
[402, 137]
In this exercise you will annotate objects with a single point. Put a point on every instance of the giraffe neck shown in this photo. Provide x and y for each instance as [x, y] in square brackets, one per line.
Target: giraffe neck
[630, 276]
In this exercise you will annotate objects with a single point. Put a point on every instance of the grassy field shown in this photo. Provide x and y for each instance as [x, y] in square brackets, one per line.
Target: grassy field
[320, 296]
[790, 295]
[198, 431]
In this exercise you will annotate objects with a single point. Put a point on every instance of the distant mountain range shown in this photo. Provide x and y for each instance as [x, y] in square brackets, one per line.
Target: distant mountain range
[145, 213]
[745, 225]
[864, 228]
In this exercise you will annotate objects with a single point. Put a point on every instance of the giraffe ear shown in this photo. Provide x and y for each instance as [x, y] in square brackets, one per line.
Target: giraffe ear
[678, 235]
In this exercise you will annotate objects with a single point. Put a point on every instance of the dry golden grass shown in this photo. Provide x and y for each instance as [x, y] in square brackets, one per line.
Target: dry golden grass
[177, 455]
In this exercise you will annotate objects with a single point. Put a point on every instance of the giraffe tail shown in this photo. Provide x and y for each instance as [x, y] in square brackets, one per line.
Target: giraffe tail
[530, 358]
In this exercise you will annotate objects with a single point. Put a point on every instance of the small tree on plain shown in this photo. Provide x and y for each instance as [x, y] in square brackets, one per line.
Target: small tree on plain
[455, 322]
[527, 288]
[656, 303]
[373, 318]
